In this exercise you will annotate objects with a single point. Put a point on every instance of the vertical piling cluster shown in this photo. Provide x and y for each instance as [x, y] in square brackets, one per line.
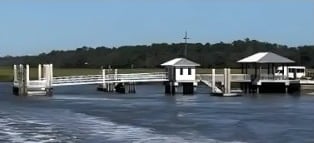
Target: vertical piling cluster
[22, 85]
[47, 77]
[227, 81]
[106, 85]
[110, 84]
[20, 79]
[130, 87]
[170, 88]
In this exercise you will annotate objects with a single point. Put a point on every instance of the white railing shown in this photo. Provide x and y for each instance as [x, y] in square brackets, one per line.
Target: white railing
[37, 84]
[77, 77]
[109, 78]
[76, 80]
[220, 77]
[240, 77]
[142, 76]
[272, 77]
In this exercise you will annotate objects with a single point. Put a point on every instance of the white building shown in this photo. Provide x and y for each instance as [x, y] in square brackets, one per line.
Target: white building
[181, 71]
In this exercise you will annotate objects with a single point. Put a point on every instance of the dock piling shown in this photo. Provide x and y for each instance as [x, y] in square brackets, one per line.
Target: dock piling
[39, 72]
[213, 81]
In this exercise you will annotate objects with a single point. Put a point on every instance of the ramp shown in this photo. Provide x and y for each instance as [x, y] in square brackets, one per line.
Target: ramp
[214, 88]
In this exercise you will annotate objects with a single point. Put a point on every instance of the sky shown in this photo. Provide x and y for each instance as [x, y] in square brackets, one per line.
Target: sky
[36, 26]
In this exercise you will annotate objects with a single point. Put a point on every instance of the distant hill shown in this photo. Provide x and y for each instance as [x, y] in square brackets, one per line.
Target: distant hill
[150, 56]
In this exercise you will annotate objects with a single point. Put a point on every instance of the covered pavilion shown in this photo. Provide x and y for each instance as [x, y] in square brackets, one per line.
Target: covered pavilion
[264, 63]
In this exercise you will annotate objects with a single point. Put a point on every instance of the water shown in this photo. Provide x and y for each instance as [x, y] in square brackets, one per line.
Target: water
[81, 114]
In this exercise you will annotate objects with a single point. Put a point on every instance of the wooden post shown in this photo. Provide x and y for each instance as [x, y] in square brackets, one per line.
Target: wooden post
[21, 79]
[115, 74]
[45, 73]
[104, 79]
[15, 73]
[213, 81]
[27, 73]
[39, 72]
[226, 80]
[26, 79]
[51, 75]
[229, 81]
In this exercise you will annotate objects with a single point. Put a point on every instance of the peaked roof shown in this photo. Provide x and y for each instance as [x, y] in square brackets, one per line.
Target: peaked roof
[265, 57]
[180, 62]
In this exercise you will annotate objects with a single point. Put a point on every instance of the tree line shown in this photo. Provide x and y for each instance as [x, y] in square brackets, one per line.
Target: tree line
[151, 56]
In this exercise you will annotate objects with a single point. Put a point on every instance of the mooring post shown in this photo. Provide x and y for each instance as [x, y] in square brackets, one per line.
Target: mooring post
[229, 80]
[287, 87]
[43, 73]
[39, 71]
[171, 88]
[213, 81]
[104, 79]
[20, 79]
[51, 75]
[15, 88]
[27, 74]
[133, 87]
[225, 80]
[115, 74]
[15, 73]
[26, 82]
[45, 77]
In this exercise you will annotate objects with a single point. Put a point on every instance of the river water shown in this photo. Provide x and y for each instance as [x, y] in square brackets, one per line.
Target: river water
[82, 114]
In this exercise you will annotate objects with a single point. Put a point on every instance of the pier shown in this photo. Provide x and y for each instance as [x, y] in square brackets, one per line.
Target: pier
[22, 85]
[257, 76]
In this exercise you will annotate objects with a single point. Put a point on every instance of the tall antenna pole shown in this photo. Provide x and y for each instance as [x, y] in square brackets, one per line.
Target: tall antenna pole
[186, 44]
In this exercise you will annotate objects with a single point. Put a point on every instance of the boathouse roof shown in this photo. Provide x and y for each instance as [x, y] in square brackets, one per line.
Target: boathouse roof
[180, 62]
[265, 57]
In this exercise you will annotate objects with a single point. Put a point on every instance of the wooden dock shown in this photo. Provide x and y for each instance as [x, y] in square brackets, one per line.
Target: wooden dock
[220, 84]
[22, 85]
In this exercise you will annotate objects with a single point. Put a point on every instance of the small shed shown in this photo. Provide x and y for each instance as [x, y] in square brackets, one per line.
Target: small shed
[181, 70]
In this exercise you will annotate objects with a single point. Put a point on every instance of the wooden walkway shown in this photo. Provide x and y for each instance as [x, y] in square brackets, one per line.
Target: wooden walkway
[109, 78]
[46, 81]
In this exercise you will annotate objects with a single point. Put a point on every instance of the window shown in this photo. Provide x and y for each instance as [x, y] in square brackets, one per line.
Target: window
[189, 71]
[181, 71]
[300, 70]
[291, 70]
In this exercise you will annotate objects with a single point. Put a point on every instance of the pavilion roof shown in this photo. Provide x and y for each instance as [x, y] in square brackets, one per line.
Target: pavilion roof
[265, 57]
